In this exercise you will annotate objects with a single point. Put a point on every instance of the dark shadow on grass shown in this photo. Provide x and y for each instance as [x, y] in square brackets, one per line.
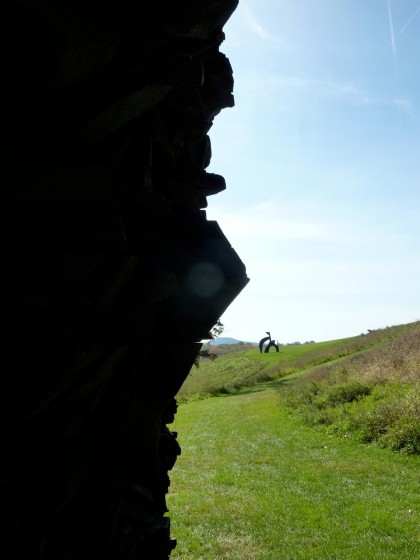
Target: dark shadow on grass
[258, 388]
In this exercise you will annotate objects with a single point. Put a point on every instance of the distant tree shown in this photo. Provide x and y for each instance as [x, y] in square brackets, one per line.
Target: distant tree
[216, 331]
[204, 354]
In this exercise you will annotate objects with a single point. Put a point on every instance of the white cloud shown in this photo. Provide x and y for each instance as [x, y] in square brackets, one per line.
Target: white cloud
[252, 22]
[283, 90]
[307, 219]
[408, 22]
[404, 104]
[269, 228]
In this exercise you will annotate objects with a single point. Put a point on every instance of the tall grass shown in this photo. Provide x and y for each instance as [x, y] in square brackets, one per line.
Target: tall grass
[372, 396]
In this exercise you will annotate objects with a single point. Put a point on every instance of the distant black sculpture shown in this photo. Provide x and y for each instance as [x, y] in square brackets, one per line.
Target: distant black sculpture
[269, 345]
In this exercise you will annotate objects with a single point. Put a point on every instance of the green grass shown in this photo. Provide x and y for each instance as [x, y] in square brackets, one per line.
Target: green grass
[244, 368]
[365, 387]
[305, 466]
[253, 482]
[237, 369]
[373, 396]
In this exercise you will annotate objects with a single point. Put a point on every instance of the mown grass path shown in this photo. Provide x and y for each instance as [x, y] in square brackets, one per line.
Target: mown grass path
[252, 483]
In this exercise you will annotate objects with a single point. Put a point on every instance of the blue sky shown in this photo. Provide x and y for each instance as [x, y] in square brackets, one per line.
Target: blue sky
[321, 155]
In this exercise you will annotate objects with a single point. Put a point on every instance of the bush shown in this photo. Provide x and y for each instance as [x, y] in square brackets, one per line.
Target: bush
[385, 413]
[343, 393]
[369, 421]
[404, 435]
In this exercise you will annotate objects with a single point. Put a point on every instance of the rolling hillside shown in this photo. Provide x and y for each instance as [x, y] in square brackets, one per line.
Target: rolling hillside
[366, 387]
[239, 366]
[321, 460]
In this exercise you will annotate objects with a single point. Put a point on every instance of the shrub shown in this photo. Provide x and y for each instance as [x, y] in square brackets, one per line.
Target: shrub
[404, 435]
[343, 393]
[385, 413]
[222, 390]
[369, 421]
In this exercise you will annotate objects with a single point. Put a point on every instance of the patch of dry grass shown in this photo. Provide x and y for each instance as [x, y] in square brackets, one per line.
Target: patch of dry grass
[373, 396]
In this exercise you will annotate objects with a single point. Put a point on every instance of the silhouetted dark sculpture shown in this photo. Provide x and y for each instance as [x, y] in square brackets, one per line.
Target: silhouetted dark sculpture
[263, 340]
[269, 345]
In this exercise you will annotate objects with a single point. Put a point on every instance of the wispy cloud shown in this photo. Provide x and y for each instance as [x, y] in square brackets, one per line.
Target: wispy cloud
[257, 28]
[308, 222]
[353, 93]
[396, 35]
[273, 220]
[291, 86]
[391, 29]
[252, 23]
[263, 227]
[287, 89]
[407, 23]
[405, 105]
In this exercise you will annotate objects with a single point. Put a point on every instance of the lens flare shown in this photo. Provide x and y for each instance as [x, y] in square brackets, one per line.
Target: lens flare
[205, 279]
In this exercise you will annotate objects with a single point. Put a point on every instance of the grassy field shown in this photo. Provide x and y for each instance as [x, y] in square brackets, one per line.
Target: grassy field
[321, 462]
[237, 367]
[367, 387]
[254, 483]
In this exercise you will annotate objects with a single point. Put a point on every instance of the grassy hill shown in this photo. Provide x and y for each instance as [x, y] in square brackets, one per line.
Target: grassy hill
[240, 366]
[320, 460]
[226, 340]
[366, 387]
